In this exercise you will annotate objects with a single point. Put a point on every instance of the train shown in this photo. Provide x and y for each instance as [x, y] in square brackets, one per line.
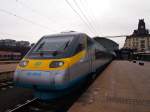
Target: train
[59, 62]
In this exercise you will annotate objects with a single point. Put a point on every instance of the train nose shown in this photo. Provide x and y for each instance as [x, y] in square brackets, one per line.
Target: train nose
[32, 79]
[47, 80]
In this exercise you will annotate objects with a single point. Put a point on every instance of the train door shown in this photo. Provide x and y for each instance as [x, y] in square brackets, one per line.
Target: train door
[91, 54]
[80, 68]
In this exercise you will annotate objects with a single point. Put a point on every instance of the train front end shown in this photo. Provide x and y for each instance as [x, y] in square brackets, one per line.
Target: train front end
[45, 67]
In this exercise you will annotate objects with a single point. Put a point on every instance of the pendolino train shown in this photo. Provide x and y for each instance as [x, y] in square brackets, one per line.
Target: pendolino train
[59, 62]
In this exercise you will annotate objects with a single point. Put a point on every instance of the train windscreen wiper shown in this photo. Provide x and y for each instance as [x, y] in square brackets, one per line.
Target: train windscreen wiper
[40, 46]
[66, 45]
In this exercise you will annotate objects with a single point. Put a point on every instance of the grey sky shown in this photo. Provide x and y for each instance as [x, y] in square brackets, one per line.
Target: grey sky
[108, 17]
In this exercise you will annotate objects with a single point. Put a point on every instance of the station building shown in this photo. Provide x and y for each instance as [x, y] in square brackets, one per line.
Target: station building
[10, 42]
[140, 39]
[110, 45]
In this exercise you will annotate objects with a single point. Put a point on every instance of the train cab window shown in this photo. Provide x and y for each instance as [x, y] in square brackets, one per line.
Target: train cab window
[53, 44]
[51, 47]
[80, 46]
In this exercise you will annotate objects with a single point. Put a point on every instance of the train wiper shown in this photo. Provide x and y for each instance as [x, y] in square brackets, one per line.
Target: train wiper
[40, 46]
[66, 45]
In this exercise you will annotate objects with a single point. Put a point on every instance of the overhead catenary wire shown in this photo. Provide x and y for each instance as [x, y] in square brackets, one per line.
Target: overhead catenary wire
[33, 10]
[13, 35]
[91, 10]
[117, 36]
[84, 15]
[42, 15]
[36, 12]
[70, 5]
[85, 4]
[39, 13]
[24, 19]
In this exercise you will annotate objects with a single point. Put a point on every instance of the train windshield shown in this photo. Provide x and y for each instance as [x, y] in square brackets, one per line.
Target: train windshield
[51, 47]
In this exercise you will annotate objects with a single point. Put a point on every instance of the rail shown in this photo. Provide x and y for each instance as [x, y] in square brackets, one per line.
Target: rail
[22, 106]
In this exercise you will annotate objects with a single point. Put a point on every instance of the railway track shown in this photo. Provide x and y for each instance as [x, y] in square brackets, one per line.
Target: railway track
[6, 84]
[58, 105]
[6, 79]
[34, 105]
[6, 74]
[22, 107]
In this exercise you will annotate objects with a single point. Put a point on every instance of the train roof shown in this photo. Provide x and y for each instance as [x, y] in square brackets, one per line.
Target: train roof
[64, 34]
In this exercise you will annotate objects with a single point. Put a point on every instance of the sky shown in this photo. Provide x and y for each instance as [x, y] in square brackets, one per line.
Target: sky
[31, 19]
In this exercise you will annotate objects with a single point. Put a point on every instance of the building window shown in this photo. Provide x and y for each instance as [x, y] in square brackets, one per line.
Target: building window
[142, 44]
[137, 43]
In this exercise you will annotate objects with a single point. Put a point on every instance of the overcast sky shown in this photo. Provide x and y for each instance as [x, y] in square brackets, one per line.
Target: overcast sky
[31, 19]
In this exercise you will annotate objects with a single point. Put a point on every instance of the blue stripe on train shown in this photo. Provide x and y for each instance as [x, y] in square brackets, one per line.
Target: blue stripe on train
[47, 92]
[60, 90]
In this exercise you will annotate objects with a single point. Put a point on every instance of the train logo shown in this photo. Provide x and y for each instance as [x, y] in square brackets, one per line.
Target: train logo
[37, 64]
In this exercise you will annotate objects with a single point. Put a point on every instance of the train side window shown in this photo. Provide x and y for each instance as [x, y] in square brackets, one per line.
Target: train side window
[80, 47]
[89, 42]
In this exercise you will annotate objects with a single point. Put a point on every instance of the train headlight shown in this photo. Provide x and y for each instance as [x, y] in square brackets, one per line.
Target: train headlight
[56, 64]
[23, 63]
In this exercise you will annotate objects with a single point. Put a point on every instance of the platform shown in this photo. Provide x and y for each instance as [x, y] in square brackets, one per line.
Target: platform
[122, 87]
[6, 71]
[7, 67]
[8, 62]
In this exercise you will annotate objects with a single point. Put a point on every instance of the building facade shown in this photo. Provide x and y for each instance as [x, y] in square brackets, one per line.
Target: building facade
[10, 42]
[23, 43]
[140, 39]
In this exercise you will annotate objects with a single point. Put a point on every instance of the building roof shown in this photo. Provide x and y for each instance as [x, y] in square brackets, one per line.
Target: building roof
[141, 31]
[107, 43]
[105, 39]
